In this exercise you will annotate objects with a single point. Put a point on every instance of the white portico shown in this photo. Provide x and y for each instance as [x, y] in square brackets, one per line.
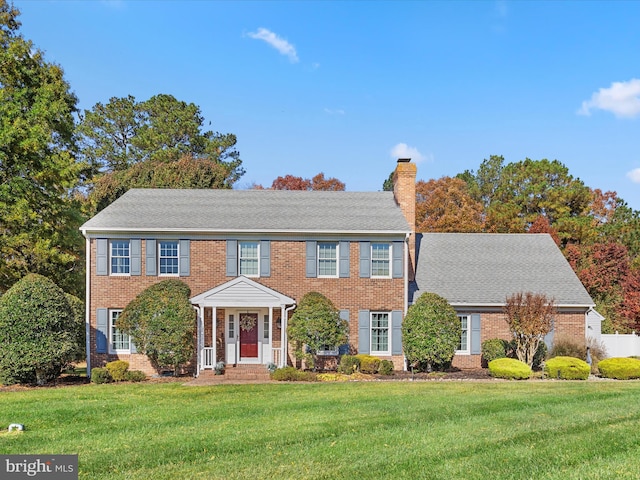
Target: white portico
[242, 322]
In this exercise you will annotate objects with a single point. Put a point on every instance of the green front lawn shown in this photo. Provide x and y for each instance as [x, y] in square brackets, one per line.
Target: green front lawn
[368, 430]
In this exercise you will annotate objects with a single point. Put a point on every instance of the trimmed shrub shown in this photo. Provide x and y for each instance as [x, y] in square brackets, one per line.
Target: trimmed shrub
[118, 370]
[620, 368]
[292, 374]
[509, 368]
[386, 367]
[37, 331]
[368, 364]
[135, 376]
[431, 332]
[494, 348]
[100, 375]
[567, 368]
[349, 364]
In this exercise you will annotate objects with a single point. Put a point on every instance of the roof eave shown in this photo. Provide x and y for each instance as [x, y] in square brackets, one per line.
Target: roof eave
[199, 231]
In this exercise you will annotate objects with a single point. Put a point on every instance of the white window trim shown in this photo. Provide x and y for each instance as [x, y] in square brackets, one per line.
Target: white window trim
[466, 351]
[380, 352]
[240, 259]
[160, 257]
[336, 275]
[111, 349]
[389, 260]
[111, 272]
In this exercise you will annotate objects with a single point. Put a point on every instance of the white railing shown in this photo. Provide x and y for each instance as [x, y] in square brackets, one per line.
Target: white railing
[208, 360]
[276, 355]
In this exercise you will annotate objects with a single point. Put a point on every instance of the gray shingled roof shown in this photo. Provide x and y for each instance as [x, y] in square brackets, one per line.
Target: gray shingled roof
[250, 211]
[481, 269]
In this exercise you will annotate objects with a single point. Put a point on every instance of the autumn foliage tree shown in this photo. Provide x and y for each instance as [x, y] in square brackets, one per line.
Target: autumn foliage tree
[318, 182]
[445, 205]
[529, 316]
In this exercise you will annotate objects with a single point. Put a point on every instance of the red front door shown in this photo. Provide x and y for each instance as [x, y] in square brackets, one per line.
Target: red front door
[248, 335]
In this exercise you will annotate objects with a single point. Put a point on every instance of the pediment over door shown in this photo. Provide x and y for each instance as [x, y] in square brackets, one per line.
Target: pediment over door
[241, 292]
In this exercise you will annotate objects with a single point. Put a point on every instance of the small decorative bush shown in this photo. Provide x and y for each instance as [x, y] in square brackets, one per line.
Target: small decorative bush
[219, 368]
[620, 368]
[333, 377]
[135, 376]
[509, 368]
[494, 348]
[271, 367]
[386, 367]
[567, 368]
[567, 347]
[349, 364]
[292, 374]
[100, 375]
[118, 370]
[368, 364]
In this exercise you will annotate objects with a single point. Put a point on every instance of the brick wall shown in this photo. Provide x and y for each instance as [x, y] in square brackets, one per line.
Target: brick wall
[288, 276]
[494, 325]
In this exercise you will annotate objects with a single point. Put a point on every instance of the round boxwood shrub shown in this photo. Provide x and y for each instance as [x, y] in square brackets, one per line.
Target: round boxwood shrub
[494, 348]
[135, 376]
[118, 370]
[368, 364]
[620, 368]
[509, 368]
[349, 364]
[567, 368]
[386, 367]
[100, 375]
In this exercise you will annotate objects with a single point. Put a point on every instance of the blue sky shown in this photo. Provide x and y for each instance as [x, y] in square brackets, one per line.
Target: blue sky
[345, 88]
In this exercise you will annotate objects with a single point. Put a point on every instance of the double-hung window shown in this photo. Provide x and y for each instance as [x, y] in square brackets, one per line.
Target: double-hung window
[380, 330]
[120, 257]
[380, 260]
[249, 260]
[327, 259]
[465, 323]
[119, 340]
[168, 258]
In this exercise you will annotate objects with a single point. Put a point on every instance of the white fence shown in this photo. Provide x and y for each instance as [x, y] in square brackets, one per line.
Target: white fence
[617, 345]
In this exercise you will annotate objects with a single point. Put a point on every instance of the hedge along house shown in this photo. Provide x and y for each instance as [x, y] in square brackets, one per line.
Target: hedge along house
[248, 257]
[476, 272]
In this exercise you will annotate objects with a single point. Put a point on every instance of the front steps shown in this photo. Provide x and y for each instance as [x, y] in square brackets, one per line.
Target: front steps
[236, 374]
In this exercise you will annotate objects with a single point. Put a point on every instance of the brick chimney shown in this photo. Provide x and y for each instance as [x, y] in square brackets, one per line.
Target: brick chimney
[404, 191]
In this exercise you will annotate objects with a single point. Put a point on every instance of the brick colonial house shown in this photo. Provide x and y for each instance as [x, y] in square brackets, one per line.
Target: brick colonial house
[250, 255]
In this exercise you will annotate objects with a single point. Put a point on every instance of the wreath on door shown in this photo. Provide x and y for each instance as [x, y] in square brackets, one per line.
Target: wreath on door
[247, 322]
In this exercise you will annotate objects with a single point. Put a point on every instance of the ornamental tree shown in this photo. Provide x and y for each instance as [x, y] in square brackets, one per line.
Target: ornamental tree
[431, 332]
[161, 323]
[316, 325]
[37, 331]
[530, 317]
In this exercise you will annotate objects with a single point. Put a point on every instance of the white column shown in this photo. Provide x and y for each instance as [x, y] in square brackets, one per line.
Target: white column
[214, 327]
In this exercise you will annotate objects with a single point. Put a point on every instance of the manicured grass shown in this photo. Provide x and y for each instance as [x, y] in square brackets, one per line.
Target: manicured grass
[369, 430]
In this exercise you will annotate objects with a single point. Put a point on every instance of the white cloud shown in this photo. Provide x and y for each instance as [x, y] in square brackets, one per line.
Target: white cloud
[338, 111]
[621, 98]
[402, 150]
[280, 44]
[634, 175]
